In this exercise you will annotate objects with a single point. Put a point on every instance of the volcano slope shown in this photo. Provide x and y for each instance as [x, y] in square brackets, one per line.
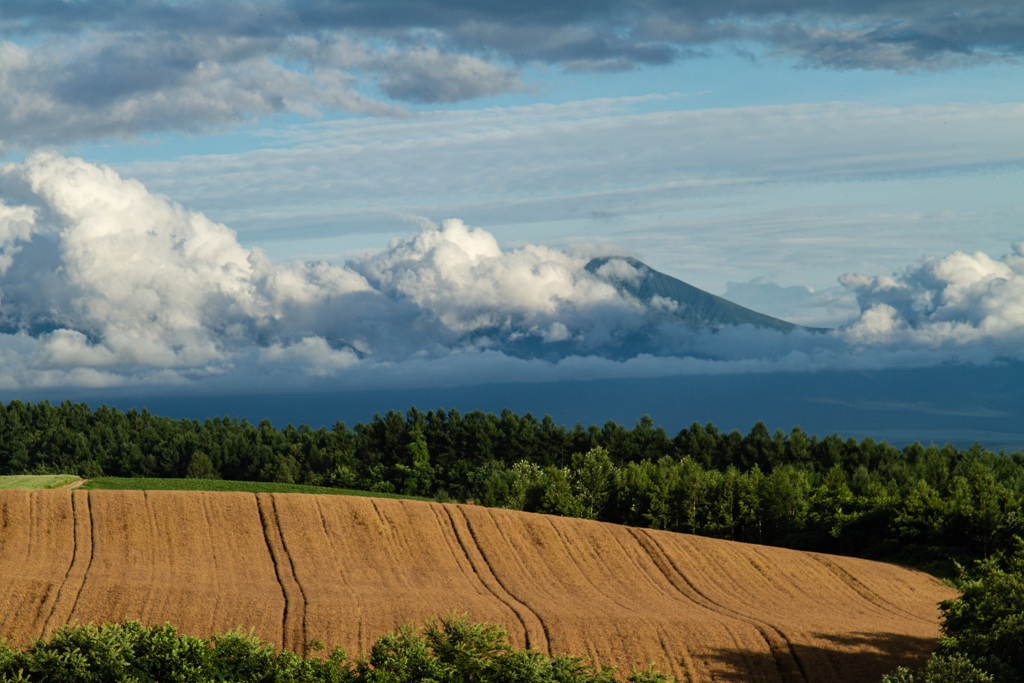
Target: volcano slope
[345, 570]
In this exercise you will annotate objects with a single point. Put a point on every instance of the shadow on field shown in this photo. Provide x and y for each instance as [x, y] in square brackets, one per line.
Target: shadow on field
[852, 657]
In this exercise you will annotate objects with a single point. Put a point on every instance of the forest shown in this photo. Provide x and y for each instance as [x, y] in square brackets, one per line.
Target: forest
[928, 506]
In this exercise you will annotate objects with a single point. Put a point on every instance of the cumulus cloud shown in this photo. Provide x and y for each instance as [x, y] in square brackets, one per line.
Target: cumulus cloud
[71, 71]
[133, 279]
[100, 274]
[105, 284]
[465, 279]
[958, 301]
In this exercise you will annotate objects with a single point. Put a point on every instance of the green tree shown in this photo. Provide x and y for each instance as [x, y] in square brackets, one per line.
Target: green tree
[200, 467]
[592, 477]
[986, 623]
[983, 629]
[558, 497]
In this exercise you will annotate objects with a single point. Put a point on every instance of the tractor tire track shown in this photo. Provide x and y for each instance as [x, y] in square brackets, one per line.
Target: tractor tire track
[450, 534]
[213, 552]
[536, 633]
[48, 598]
[786, 659]
[357, 605]
[293, 626]
[582, 570]
[863, 591]
[490, 512]
[679, 658]
[81, 562]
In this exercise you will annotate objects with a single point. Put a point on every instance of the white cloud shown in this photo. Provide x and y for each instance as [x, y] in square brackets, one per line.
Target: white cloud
[662, 303]
[313, 354]
[108, 284]
[954, 301]
[463, 277]
[619, 270]
[15, 226]
[148, 282]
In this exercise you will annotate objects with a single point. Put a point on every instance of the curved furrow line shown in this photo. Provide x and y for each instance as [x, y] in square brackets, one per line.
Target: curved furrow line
[357, 607]
[863, 591]
[535, 631]
[91, 553]
[641, 571]
[672, 573]
[680, 658]
[613, 597]
[323, 520]
[41, 607]
[451, 539]
[293, 635]
[382, 520]
[515, 557]
[786, 660]
[277, 570]
[749, 663]
[295, 577]
[771, 635]
[48, 602]
[446, 526]
[482, 571]
[154, 531]
[81, 560]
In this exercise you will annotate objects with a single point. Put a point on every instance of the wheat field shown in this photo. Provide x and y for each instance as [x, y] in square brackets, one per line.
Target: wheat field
[345, 570]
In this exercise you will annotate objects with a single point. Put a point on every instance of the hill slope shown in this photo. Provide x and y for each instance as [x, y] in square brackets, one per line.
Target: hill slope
[344, 570]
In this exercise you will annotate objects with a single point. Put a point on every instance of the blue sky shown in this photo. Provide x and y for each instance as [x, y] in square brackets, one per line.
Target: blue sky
[379, 191]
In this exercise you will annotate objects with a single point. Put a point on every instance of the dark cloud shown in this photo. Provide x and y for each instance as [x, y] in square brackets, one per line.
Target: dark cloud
[931, 42]
[73, 70]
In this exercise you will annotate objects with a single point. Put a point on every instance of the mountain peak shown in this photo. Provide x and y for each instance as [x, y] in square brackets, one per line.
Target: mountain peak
[677, 299]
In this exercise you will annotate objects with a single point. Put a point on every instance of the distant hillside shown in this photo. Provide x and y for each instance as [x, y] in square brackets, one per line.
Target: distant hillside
[677, 299]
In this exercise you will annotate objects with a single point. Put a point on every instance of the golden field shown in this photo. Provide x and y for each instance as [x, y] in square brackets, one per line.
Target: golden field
[344, 570]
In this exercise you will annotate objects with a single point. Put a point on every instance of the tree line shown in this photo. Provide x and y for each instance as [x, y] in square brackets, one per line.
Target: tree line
[920, 504]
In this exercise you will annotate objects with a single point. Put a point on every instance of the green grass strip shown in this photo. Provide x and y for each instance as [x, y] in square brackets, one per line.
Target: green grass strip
[36, 481]
[153, 484]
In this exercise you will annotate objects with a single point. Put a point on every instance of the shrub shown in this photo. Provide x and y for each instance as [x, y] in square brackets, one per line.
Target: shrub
[445, 650]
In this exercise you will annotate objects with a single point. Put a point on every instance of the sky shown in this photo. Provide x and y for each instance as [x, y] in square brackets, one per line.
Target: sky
[287, 196]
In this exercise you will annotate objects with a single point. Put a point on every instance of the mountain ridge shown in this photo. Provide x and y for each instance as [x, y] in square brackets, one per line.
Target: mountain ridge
[693, 306]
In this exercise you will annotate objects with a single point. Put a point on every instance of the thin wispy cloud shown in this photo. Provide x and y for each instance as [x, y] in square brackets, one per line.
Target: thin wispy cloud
[727, 190]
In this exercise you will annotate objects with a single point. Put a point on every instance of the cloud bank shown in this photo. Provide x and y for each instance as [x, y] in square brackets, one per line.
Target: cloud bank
[103, 283]
[71, 71]
[957, 301]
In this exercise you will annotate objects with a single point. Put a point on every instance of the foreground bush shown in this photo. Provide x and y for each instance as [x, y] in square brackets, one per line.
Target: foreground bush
[445, 650]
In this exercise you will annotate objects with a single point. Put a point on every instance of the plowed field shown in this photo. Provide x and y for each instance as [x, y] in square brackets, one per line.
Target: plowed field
[344, 570]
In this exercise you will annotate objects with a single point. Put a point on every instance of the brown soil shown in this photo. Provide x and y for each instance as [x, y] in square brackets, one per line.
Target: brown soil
[344, 570]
